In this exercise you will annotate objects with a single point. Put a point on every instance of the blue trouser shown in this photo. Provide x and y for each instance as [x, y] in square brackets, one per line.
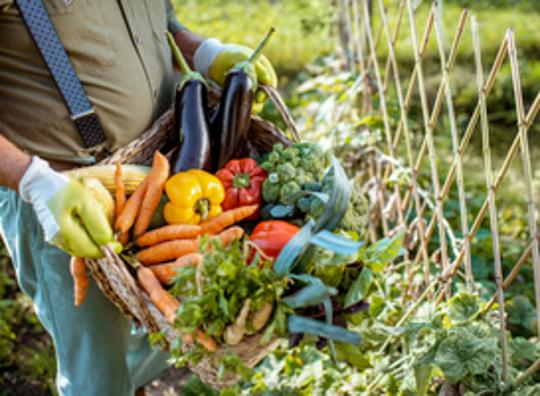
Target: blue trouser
[97, 350]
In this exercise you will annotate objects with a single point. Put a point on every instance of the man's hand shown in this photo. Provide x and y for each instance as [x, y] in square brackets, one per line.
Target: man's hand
[214, 60]
[71, 217]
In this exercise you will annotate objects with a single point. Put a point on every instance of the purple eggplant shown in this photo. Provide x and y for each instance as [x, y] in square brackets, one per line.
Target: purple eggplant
[191, 118]
[230, 125]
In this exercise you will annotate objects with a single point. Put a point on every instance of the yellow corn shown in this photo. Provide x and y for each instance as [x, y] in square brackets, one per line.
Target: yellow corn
[102, 195]
[132, 175]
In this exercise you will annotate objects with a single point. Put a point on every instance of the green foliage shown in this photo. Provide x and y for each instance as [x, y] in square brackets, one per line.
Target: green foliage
[303, 27]
[27, 363]
[214, 293]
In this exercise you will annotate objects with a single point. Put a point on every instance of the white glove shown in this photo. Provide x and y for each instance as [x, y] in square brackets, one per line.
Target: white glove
[206, 54]
[38, 185]
[70, 215]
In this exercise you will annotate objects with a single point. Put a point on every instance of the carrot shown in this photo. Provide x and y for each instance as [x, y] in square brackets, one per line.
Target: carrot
[166, 272]
[205, 340]
[130, 210]
[80, 279]
[120, 198]
[162, 299]
[123, 237]
[230, 235]
[171, 250]
[169, 232]
[157, 179]
[167, 251]
[227, 219]
[168, 305]
[120, 192]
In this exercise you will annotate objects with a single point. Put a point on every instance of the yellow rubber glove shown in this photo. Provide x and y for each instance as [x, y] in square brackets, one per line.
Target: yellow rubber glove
[71, 217]
[214, 60]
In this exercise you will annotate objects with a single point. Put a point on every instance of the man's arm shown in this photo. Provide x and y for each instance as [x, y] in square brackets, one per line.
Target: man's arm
[188, 43]
[186, 40]
[13, 163]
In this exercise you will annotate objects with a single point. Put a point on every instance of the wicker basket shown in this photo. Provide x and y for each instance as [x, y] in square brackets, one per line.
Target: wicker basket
[114, 276]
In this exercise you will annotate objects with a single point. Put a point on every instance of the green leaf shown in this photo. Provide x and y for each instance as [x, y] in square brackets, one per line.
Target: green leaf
[337, 205]
[372, 122]
[466, 351]
[288, 256]
[299, 324]
[382, 252]
[312, 294]
[335, 243]
[376, 305]
[423, 375]
[359, 287]
[282, 211]
[353, 355]
[462, 307]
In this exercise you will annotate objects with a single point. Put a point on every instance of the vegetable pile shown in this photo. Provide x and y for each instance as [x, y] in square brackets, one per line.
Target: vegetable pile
[229, 246]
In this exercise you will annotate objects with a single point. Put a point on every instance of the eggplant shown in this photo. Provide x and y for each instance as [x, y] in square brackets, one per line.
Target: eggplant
[191, 119]
[231, 123]
[192, 125]
[229, 131]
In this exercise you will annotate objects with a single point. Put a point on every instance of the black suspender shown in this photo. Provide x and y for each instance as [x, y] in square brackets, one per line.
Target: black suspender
[36, 19]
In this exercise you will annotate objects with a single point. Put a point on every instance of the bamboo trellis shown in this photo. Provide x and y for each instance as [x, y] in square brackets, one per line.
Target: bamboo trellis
[366, 30]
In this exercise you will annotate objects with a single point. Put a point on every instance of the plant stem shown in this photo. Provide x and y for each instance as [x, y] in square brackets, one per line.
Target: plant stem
[258, 51]
[177, 55]
[523, 377]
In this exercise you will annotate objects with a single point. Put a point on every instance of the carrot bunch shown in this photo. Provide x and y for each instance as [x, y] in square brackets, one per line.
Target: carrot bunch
[141, 205]
[163, 251]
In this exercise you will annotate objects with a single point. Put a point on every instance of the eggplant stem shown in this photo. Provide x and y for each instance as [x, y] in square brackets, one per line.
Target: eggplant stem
[258, 51]
[177, 55]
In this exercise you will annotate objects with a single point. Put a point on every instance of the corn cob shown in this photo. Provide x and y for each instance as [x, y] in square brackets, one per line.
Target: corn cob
[132, 175]
[102, 195]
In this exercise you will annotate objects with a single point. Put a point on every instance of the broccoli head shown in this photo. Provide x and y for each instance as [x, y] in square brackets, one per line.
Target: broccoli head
[270, 191]
[286, 172]
[287, 192]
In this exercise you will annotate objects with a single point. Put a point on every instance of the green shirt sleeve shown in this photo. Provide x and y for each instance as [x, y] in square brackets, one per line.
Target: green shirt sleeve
[173, 24]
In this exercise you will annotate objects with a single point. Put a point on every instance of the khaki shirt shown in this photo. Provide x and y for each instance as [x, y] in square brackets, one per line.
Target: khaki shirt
[120, 53]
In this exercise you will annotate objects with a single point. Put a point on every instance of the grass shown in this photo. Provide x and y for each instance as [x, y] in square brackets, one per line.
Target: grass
[305, 29]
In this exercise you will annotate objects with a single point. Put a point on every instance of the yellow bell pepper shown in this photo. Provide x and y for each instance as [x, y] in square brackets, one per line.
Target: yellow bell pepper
[194, 196]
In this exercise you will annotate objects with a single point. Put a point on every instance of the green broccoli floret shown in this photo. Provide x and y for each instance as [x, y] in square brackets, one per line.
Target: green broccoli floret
[278, 148]
[302, 177]
[287, 191]
[355, 218]
[290, 154]
[286, 172]
[273, 157]
[270, 191]
[312, 164]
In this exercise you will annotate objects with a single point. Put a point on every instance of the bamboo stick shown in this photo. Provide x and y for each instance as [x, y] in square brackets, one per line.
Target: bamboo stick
[382, 104]
[455, 146]
[527, 168]
[403, 118]
[428, 126]
[488, 169]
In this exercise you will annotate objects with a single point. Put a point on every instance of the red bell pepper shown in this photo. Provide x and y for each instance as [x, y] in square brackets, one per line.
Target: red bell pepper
[243, 181]
[272, 236]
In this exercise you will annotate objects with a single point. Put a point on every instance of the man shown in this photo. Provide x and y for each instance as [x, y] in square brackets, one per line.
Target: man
[120, 54]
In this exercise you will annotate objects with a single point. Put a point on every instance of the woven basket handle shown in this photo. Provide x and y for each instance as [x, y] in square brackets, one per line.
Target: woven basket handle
[277, 100]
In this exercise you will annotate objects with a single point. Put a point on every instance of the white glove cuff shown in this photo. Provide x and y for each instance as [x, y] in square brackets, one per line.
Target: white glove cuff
[206, 53]
[37, 186]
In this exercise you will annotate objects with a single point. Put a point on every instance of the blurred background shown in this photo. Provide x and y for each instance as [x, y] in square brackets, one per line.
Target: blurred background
[305, 47]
